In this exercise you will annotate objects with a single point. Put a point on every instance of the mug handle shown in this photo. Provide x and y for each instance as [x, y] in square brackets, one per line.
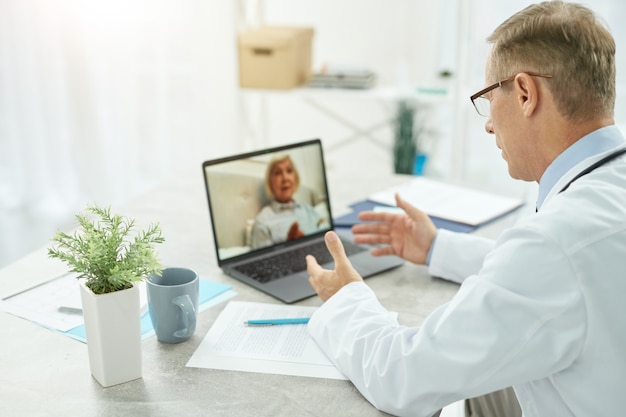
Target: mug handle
[189, 316]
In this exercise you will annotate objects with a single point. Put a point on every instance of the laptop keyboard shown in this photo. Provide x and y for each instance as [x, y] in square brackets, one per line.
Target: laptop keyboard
[277, 266]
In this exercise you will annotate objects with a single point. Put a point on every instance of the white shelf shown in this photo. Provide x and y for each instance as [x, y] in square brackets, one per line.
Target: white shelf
[420, 94]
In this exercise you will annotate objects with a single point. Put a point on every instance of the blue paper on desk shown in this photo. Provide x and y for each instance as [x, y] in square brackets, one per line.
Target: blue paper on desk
[208, 291]
[350, 219]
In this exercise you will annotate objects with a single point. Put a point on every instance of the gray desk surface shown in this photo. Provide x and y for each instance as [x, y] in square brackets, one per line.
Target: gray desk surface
[46, 373]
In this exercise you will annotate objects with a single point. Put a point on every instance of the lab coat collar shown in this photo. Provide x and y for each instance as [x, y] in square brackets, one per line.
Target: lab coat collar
[581, 154]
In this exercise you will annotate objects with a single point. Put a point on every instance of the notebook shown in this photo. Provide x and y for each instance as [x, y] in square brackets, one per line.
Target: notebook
[252, 220]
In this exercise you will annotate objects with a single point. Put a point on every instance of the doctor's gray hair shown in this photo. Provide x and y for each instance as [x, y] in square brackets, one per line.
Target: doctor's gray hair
[570, 43]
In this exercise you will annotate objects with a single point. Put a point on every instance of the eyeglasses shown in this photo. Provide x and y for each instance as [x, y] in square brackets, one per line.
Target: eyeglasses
[482, 103]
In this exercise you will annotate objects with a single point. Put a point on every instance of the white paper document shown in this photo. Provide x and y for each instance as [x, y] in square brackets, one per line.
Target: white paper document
[56, 303]
[283, 349]
[450, 202]
[51, 304]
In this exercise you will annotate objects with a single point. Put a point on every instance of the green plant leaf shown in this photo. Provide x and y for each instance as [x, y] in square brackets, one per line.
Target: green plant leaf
[109, 251]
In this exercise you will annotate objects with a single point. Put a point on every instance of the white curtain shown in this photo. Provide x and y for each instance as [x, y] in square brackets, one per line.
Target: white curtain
[102, 100]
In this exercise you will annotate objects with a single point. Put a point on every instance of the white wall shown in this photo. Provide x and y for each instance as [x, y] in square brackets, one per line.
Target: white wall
[407, 42]
[388, 37]
[399, 40]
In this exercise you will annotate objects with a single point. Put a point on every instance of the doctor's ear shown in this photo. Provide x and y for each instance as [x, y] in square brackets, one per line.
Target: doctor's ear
[527, 92]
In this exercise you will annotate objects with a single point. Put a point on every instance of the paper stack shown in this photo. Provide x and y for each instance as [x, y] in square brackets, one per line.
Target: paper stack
[343, 77]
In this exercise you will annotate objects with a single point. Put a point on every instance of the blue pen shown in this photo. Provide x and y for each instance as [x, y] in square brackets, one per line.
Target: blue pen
[276, 322]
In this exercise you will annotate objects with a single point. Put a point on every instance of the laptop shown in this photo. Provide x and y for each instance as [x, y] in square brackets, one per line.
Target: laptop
[255, 238]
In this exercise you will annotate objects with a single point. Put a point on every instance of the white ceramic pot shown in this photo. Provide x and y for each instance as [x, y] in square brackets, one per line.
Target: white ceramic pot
[113, 329]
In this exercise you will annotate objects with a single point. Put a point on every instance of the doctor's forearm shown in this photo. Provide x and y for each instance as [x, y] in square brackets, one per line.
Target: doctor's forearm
[455, 256]
[361, 339]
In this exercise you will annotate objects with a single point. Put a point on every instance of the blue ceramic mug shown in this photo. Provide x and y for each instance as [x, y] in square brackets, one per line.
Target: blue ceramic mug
[173, 304]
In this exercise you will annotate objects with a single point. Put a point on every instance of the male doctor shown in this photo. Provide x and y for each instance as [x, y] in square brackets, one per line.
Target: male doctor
[542, 309]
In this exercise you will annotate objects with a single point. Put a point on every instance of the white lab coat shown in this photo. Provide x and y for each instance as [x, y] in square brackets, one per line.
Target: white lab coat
[544, 312]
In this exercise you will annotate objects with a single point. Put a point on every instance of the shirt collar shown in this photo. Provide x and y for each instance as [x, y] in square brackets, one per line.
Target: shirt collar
[276, 206]
[595, 143]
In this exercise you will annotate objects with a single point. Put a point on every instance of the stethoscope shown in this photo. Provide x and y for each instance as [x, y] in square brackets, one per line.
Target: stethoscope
[593, 166]
[590, 168]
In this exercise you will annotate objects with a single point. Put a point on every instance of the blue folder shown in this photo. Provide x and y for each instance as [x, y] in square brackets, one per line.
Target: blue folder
[352, 218]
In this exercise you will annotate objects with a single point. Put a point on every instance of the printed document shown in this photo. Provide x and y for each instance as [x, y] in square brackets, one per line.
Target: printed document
[450, 202]
[282, 349]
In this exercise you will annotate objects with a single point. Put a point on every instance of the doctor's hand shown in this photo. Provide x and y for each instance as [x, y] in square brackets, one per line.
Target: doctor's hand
[408, 235]
[325, 282]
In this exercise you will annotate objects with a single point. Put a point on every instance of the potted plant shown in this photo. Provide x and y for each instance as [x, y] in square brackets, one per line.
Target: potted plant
[111, 257]
[408, 157]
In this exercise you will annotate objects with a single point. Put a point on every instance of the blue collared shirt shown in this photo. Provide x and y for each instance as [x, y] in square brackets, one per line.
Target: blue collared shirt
[596, 142]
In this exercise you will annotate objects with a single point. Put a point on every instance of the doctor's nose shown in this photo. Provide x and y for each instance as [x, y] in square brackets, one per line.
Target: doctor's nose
[489, 126]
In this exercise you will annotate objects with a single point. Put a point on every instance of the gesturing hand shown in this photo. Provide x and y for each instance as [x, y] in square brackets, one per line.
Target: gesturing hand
[408, 235]
[325, 282]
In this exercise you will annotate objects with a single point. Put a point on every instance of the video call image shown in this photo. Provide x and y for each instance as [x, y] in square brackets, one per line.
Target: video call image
[267, 199]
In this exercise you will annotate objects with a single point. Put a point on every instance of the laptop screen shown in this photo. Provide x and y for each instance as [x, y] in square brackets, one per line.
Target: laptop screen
[265, 198]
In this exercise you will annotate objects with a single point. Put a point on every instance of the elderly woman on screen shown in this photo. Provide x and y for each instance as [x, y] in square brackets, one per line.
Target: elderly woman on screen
[283, 218]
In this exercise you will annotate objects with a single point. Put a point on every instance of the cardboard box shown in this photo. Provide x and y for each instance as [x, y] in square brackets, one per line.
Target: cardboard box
[275, 57]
